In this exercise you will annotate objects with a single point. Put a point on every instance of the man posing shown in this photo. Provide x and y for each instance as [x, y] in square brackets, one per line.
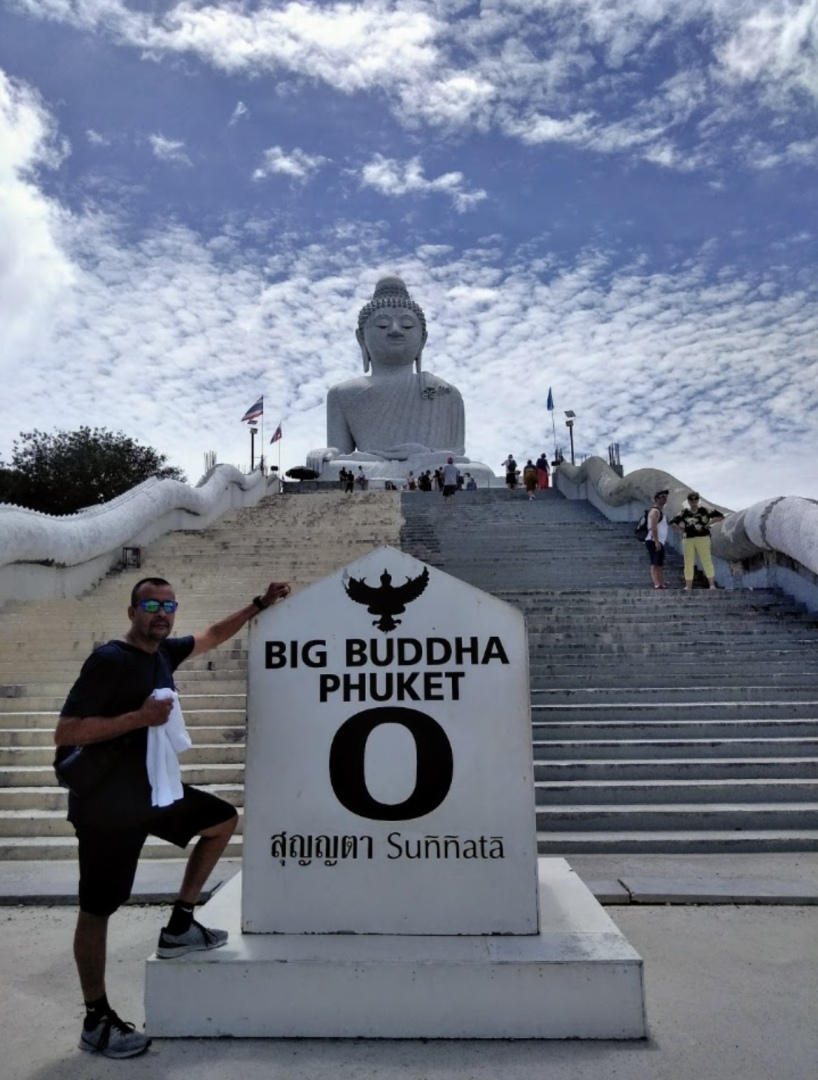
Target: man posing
[112, 702]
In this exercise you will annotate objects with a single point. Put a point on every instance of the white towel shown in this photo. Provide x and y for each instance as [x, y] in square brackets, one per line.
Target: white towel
[164, 743]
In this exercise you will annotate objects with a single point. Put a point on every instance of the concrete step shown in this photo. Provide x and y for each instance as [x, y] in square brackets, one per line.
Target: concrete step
[710, 841]
[683, 648]
[666, 712]
[33, 703]
[605, 619]
[56, 798]
[611, 749]
[688, 658]
[658, 696]
[676, 817]
[35, 848]
[788, 769]
[47, 721]
[755, 599]
[196, 772]
[727, 679]
[66, 669]
[607, 740]
[192, 684]
[688, 791]
[652, 728]
[202, 754]
[24, 824]
[200, 735]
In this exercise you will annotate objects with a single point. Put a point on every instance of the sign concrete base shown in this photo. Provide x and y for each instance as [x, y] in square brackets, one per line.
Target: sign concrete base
[577, 979]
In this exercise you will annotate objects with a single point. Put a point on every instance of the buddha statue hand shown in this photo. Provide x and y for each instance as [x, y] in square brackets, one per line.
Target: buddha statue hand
[404, 451]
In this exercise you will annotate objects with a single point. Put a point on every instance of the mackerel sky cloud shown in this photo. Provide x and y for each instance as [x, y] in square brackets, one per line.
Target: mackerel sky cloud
[615, 200]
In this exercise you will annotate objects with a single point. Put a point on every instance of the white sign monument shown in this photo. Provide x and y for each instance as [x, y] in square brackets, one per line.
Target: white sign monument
[389, 783]
[390, 879]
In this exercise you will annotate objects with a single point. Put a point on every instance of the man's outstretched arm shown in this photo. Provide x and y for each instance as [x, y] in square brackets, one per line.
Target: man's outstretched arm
[226, 628]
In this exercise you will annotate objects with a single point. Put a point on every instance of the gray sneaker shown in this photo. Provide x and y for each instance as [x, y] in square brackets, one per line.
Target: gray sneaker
[197, 939]
[114, 1038]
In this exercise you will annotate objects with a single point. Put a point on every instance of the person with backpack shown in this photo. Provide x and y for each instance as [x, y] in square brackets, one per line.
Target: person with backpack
[530, 478]
[114, 704]
[510, 466]
[656, 538]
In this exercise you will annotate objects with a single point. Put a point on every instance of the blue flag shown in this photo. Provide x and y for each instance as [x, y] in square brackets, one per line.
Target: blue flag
[550, 403]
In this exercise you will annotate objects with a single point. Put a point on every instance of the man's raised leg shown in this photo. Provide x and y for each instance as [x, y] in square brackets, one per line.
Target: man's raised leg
[207, 852]
[183, 934]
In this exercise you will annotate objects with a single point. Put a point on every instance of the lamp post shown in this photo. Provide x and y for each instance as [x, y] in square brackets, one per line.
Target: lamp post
[569, 423]
[253, 433]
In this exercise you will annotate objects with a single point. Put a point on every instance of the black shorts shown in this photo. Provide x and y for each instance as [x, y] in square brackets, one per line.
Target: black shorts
[449, 489]
[656, 555]
[108, 857]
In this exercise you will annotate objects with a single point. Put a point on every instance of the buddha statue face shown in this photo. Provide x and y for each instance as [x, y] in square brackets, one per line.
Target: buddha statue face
[391, 328]
[392, 338]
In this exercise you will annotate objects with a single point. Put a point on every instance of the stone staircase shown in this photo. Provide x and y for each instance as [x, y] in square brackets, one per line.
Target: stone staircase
[663, 721]
[43, 644]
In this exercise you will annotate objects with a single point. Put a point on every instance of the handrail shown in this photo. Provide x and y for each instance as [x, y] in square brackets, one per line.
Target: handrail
[787, 524]
[44, 555]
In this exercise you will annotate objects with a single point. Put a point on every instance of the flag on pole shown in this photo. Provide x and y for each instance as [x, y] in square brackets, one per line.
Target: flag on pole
[550, 402]
[255, 411]
[276, 435]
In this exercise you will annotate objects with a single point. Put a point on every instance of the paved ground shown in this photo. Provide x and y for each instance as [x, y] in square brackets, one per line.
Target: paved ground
[614, 879]
[731, 994]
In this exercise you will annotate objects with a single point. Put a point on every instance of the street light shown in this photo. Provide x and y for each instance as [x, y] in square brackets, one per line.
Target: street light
[569, 423]
[253, 433]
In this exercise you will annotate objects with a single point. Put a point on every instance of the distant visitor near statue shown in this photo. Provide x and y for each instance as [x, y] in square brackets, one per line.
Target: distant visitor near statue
[399, 417]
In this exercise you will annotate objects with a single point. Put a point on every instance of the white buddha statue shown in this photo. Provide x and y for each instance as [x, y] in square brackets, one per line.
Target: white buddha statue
[398, 417]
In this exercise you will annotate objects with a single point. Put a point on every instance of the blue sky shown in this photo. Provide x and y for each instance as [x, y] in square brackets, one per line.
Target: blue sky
[615, 200]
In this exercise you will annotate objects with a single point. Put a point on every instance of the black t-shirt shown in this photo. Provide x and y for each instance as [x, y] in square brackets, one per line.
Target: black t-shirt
[115, 679]
[697, 522]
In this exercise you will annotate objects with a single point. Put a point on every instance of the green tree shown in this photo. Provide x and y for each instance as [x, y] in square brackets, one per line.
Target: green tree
[65, 471]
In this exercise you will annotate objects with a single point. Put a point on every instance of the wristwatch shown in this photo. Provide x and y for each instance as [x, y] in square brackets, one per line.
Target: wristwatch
[260, 603]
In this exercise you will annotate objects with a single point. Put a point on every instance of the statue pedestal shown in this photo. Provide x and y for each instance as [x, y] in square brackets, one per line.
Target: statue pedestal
[378, 473]
[578, 978]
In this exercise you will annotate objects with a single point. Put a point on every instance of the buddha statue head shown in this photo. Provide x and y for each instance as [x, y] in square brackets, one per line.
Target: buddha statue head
[391, 328]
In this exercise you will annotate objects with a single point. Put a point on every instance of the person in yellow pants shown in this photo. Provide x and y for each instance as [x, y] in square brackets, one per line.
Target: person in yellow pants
[694, 521]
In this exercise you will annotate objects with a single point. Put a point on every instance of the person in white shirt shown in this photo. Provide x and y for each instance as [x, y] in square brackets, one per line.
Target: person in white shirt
[450, 473]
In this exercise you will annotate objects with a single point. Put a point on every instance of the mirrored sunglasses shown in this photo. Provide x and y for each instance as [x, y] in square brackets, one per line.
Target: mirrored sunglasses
[153, 606]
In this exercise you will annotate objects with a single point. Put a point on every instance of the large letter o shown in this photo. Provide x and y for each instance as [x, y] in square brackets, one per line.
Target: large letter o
[435, 764]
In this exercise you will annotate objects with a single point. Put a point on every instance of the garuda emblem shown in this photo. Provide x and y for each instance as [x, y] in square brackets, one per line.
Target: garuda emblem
[386, 600]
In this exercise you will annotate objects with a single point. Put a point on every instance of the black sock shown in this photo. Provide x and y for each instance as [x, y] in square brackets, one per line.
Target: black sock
[95, 1011]
[180, 918]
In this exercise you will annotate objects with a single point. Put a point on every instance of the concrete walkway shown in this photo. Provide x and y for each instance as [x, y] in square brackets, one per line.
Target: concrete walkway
[785, 878]
[731, 990]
